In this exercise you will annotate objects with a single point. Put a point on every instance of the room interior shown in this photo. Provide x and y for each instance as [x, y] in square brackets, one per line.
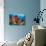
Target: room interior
[16, 35]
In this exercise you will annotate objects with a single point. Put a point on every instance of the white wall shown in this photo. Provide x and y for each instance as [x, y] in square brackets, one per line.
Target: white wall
[43, 6]
[1, 20]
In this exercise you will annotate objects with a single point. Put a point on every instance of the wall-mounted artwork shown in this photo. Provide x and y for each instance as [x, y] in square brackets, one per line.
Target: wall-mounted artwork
[17, 19]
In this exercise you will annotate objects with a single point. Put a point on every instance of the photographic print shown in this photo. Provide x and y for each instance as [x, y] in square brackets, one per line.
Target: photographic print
[17, 19]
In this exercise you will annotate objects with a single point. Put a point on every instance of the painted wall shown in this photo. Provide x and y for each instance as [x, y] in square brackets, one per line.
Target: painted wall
[26, 7]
